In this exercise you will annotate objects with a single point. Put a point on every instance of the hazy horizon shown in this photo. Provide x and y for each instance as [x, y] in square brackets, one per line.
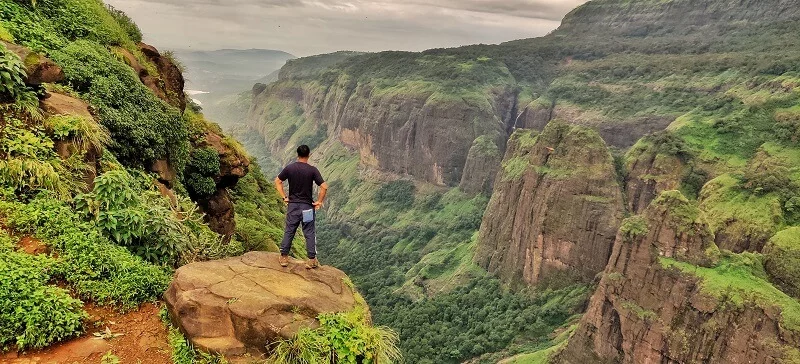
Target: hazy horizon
[309, 27]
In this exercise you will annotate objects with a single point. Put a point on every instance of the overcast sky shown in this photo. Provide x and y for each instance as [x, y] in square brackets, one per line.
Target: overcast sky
[307, 27]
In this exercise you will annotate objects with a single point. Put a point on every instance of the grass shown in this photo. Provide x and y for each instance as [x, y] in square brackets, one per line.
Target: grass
[543, 356]
[739, 280]
[728, 207]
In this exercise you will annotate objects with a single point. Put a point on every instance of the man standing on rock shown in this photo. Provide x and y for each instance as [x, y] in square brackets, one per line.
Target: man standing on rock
[301, 205]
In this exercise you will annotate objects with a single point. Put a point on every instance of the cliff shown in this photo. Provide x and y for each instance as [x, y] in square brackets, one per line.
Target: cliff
[422, 127]
[667, 296]
[555, 208]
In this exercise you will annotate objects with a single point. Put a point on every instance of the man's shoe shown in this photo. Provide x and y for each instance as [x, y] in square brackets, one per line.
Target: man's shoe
[284, 260]
[312, 264]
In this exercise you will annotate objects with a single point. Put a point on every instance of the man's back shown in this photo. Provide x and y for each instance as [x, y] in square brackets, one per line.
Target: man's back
[302, 177]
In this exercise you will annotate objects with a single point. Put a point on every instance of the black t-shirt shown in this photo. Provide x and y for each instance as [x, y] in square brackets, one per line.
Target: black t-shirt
[302, 177]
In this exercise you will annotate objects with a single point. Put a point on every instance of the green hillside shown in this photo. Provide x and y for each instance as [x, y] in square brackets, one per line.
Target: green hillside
[712, 86]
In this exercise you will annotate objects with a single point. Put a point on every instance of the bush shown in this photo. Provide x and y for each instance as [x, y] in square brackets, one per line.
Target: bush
[88, 261]
[398, 194]
[342, 338]
[12, 73]
[634, 228]
[205, 161]
[29, 163]
[131, 213]
[143, 127]
[32, 313]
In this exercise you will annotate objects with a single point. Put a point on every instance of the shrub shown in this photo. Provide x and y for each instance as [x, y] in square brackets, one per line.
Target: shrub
[85, 133]
[131, 213]
[200, 186]
[399, 194]
[12, 73]
[344, 338]
[32, 313]
[144, 128]
[95, 267]
[633, 228]
[29, 163]
[205, 161]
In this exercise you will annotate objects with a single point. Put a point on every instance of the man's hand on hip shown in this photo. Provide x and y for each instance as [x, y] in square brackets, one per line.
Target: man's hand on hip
[286, 200]
[318, 205]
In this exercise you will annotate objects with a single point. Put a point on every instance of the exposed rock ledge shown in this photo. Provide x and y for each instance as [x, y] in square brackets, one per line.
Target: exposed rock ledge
[237, 306]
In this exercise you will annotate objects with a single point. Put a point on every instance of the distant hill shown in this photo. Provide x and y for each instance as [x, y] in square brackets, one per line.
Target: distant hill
[228, 71]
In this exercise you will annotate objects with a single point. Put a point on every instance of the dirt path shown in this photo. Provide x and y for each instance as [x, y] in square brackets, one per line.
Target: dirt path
[143, 340]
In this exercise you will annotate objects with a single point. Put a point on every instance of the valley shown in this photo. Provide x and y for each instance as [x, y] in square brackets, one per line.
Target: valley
[624, 189]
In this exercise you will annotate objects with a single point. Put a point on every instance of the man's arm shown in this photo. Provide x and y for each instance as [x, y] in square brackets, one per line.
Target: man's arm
[323, 191]
[279, 187]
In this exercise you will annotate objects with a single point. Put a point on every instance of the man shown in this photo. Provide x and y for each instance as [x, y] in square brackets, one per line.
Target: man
[301, 205]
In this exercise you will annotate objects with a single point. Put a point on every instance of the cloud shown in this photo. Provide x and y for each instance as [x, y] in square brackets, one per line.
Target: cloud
[305, 27]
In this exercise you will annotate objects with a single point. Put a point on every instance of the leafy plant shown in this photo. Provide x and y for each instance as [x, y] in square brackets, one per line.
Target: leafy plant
[344, 338]
[28, 161]
[12, 74]
[96, 268]
[85, 133]
[34, 314]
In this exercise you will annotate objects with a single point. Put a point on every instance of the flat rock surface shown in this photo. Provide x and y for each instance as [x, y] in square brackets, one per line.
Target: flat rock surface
[237, 306]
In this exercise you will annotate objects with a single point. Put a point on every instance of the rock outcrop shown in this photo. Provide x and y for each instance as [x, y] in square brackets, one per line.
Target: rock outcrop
[239, 305]
[38, 69]
[219, 208]
[647, 309]
[650, 172]
[169, 86]
[167, 83]
[555, 209]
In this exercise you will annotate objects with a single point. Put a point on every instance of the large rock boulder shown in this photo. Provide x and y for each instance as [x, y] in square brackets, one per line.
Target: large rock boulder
[238, 306]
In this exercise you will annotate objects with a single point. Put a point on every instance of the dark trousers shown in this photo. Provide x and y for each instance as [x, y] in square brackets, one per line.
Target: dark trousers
[294, 218]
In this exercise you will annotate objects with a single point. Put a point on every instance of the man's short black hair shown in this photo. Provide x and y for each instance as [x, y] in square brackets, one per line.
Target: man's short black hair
[303, 151]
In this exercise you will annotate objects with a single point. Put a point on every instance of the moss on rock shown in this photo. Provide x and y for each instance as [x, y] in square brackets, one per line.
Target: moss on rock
[782, 260]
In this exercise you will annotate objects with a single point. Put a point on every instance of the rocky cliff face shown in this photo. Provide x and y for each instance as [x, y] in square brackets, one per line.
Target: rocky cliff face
[650, 172]
[656, 302]
[406, 128]
[555, 208]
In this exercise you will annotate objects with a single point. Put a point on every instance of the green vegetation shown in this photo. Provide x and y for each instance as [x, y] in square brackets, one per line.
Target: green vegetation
[33, 313]
[341, 338]
[782, 260]
[28, 161]
[132, 213]
[634, 228]
[739, 280]
[96, 268]
[543, 356]
[182, 350]
[144, 128]
[12, 72]
[396, 194]
[514, 168]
